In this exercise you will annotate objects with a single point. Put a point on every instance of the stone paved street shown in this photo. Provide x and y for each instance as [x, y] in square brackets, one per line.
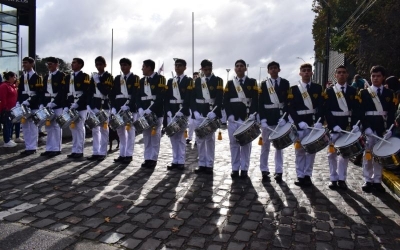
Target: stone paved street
[135, 208]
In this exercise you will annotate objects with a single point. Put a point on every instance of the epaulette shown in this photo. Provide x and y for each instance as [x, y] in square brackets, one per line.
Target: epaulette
[87, 79]
[290, 94]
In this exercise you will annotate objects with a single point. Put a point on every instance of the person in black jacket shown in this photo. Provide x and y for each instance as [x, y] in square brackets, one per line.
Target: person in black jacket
[305, 106]
[341, 112]
[53, 97]
[151, 92]
[177, 104]
[271, 111]
[240, 103]
[29, 90]
[377, 115]
[99, 89]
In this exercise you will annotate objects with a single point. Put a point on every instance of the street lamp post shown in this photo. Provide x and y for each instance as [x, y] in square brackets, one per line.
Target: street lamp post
[248, 65]
[259, 76]
[300, 58]
[227, 75]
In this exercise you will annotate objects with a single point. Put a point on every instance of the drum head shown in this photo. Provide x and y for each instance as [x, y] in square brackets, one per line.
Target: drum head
[343, 141]
[280, 131]
[243, 127]
[387, 148]
[315, 135]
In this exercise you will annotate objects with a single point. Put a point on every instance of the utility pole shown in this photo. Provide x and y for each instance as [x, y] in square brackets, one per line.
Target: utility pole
[327, 45]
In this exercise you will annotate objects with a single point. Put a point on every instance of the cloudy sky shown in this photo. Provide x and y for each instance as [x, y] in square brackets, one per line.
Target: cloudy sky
[257, 31]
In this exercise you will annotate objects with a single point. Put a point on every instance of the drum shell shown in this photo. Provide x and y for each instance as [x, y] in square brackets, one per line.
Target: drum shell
[286, 139]
[17, 113]
[40, 116]
[388, 158]
[390, 162]
[248, 135]
[127, 116]
[102, 116]
[178, 124]
[318, 144]
[116, 121]
[145, 122]
[352, 149]
[92, 121]
[66, 118]
[208, 126]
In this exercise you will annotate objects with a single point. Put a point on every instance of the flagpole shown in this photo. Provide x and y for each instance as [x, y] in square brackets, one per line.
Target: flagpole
[112, 49]
[192, 43]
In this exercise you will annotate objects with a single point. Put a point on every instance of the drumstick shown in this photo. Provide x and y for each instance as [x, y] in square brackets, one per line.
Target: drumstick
[380, 138]
[174, 116]
[346, 132]
[352, 131]
[316, 128]
[385, 136]
[312, 129]
[127, 101]
[274, 131]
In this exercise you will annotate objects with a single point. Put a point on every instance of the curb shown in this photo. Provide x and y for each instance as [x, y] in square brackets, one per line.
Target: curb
[392, 181]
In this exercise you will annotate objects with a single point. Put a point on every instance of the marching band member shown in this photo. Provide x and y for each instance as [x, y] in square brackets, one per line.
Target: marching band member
[377, 111]
[151, 90]
[125, 89]
[99, 89]
[192, 125]
[340, 109]
[240, 102]
[28, 95]
[54, 98]
[77, 87]
[305, 106]
[177, 103]
[207, 93]
[272, 106]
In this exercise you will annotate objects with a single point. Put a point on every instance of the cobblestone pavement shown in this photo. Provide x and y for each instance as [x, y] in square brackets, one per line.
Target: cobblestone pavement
[135, 208]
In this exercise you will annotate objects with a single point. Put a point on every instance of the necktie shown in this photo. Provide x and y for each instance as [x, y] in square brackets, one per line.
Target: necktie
[207, 79]
[241, 81]
[276, 86]
[27, 76]
[379, 92]
[308, 87]
[125, 77]
[147, 80]
[342, 89]
[178, 80]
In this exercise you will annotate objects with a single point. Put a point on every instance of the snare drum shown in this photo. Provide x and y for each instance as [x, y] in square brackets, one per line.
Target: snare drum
[102, 116]
[92, 120]
[247, 132]
[177, 124]
[388, 154]
[40, 116]
[286, 135]
[18, 112]
[208, 126]
[145, 122]
[66, 118]
[315, 142]
[349, 145]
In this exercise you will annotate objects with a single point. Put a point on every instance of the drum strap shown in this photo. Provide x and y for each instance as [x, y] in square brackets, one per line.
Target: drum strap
[147, 88]
[204, 89]
[26, 84]
[49, 82]
[341, 99]
[306, 96]
[271, 90]
[375, 99]
[175, 88]
[124, 90]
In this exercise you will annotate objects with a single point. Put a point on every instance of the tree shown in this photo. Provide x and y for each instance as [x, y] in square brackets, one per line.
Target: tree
[41, 67]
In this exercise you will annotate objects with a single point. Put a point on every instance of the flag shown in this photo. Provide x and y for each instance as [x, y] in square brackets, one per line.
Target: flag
[161, 68]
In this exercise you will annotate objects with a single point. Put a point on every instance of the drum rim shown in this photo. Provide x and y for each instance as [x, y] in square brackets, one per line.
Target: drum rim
[390, 154]
[326, 132]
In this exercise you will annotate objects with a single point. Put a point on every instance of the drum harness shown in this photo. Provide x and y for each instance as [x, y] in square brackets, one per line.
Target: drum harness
[241, 96]
[273, 97]
[50, 93]
[206, 94]
[27, 90]
[72, 92]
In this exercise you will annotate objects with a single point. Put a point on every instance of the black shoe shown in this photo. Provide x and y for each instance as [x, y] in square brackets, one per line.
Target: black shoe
[45, 153]
[152, 164]
[71, 155]
[127, 159]
[299, 182]
[188, 141]
[77, 155]
[278, 177]
[208, 170]
[145, 163]
[243, 174]
[379, 188]
[342, 185]
[172, 166]
[367, 187]
[200, 169]
[93, 158]
[265, 175]
[101, 158]
[307, 181]
[28, 152]
[54, 153]
[234, 174]
[120, 159]
[180, 166]
[333, 185]
[42, 134]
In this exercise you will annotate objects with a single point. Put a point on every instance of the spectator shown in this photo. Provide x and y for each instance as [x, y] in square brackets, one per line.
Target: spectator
[8, 98]
[392, 83]
[358, 82]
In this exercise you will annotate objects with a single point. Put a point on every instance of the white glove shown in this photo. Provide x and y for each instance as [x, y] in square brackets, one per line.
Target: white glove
[252, 117]
[96, 78]
[88, 108]
[65, 110]
[337, 128]
[388, 134]
[211, 115]
[231, 118]
[197, 115]
[113, 111]
[179, 113]
[281, 122]
[368, 132]
[258, 118]
[318, 125]
[26, 103]
[74, 106]
[303, 125]
[147, 111]
[17, 104]
[51, 105]
[356, 129]
[41, 106]
[124, 107]
[169, 119]
[141, 112]
[264, 124]
[95, 110]
[169, 114]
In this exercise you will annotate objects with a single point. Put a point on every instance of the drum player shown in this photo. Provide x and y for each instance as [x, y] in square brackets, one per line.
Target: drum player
[151, 92]
[206, 101]
[77, 86]
[305, 106]
[377, 111]
[100, 87]
[272, 106]
[240, 103]
[54, 97]
[340, 109]
[125, 89]
[177, 104]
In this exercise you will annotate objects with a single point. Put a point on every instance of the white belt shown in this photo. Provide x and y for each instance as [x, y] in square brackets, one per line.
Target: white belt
[306, 112]
[240, 99]
[341, 113]
[176, 101]
[375, 113]
[122, 96]
[275, 105]
[100, 96]
[144, 98]
[31, 93]
[211, 101]
[50, 95]
[76, 93]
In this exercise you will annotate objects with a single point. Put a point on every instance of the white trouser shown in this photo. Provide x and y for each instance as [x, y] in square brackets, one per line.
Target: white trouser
[304, 162]
[100, 138]
[178, 147]
[54, 133]
[265, 153]
[240, 155]
[205, 147]
[191, 127]
[152, 142]
[127, 139]
[78, 133]
[31, 133]
[372, 170]
[337, 164]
